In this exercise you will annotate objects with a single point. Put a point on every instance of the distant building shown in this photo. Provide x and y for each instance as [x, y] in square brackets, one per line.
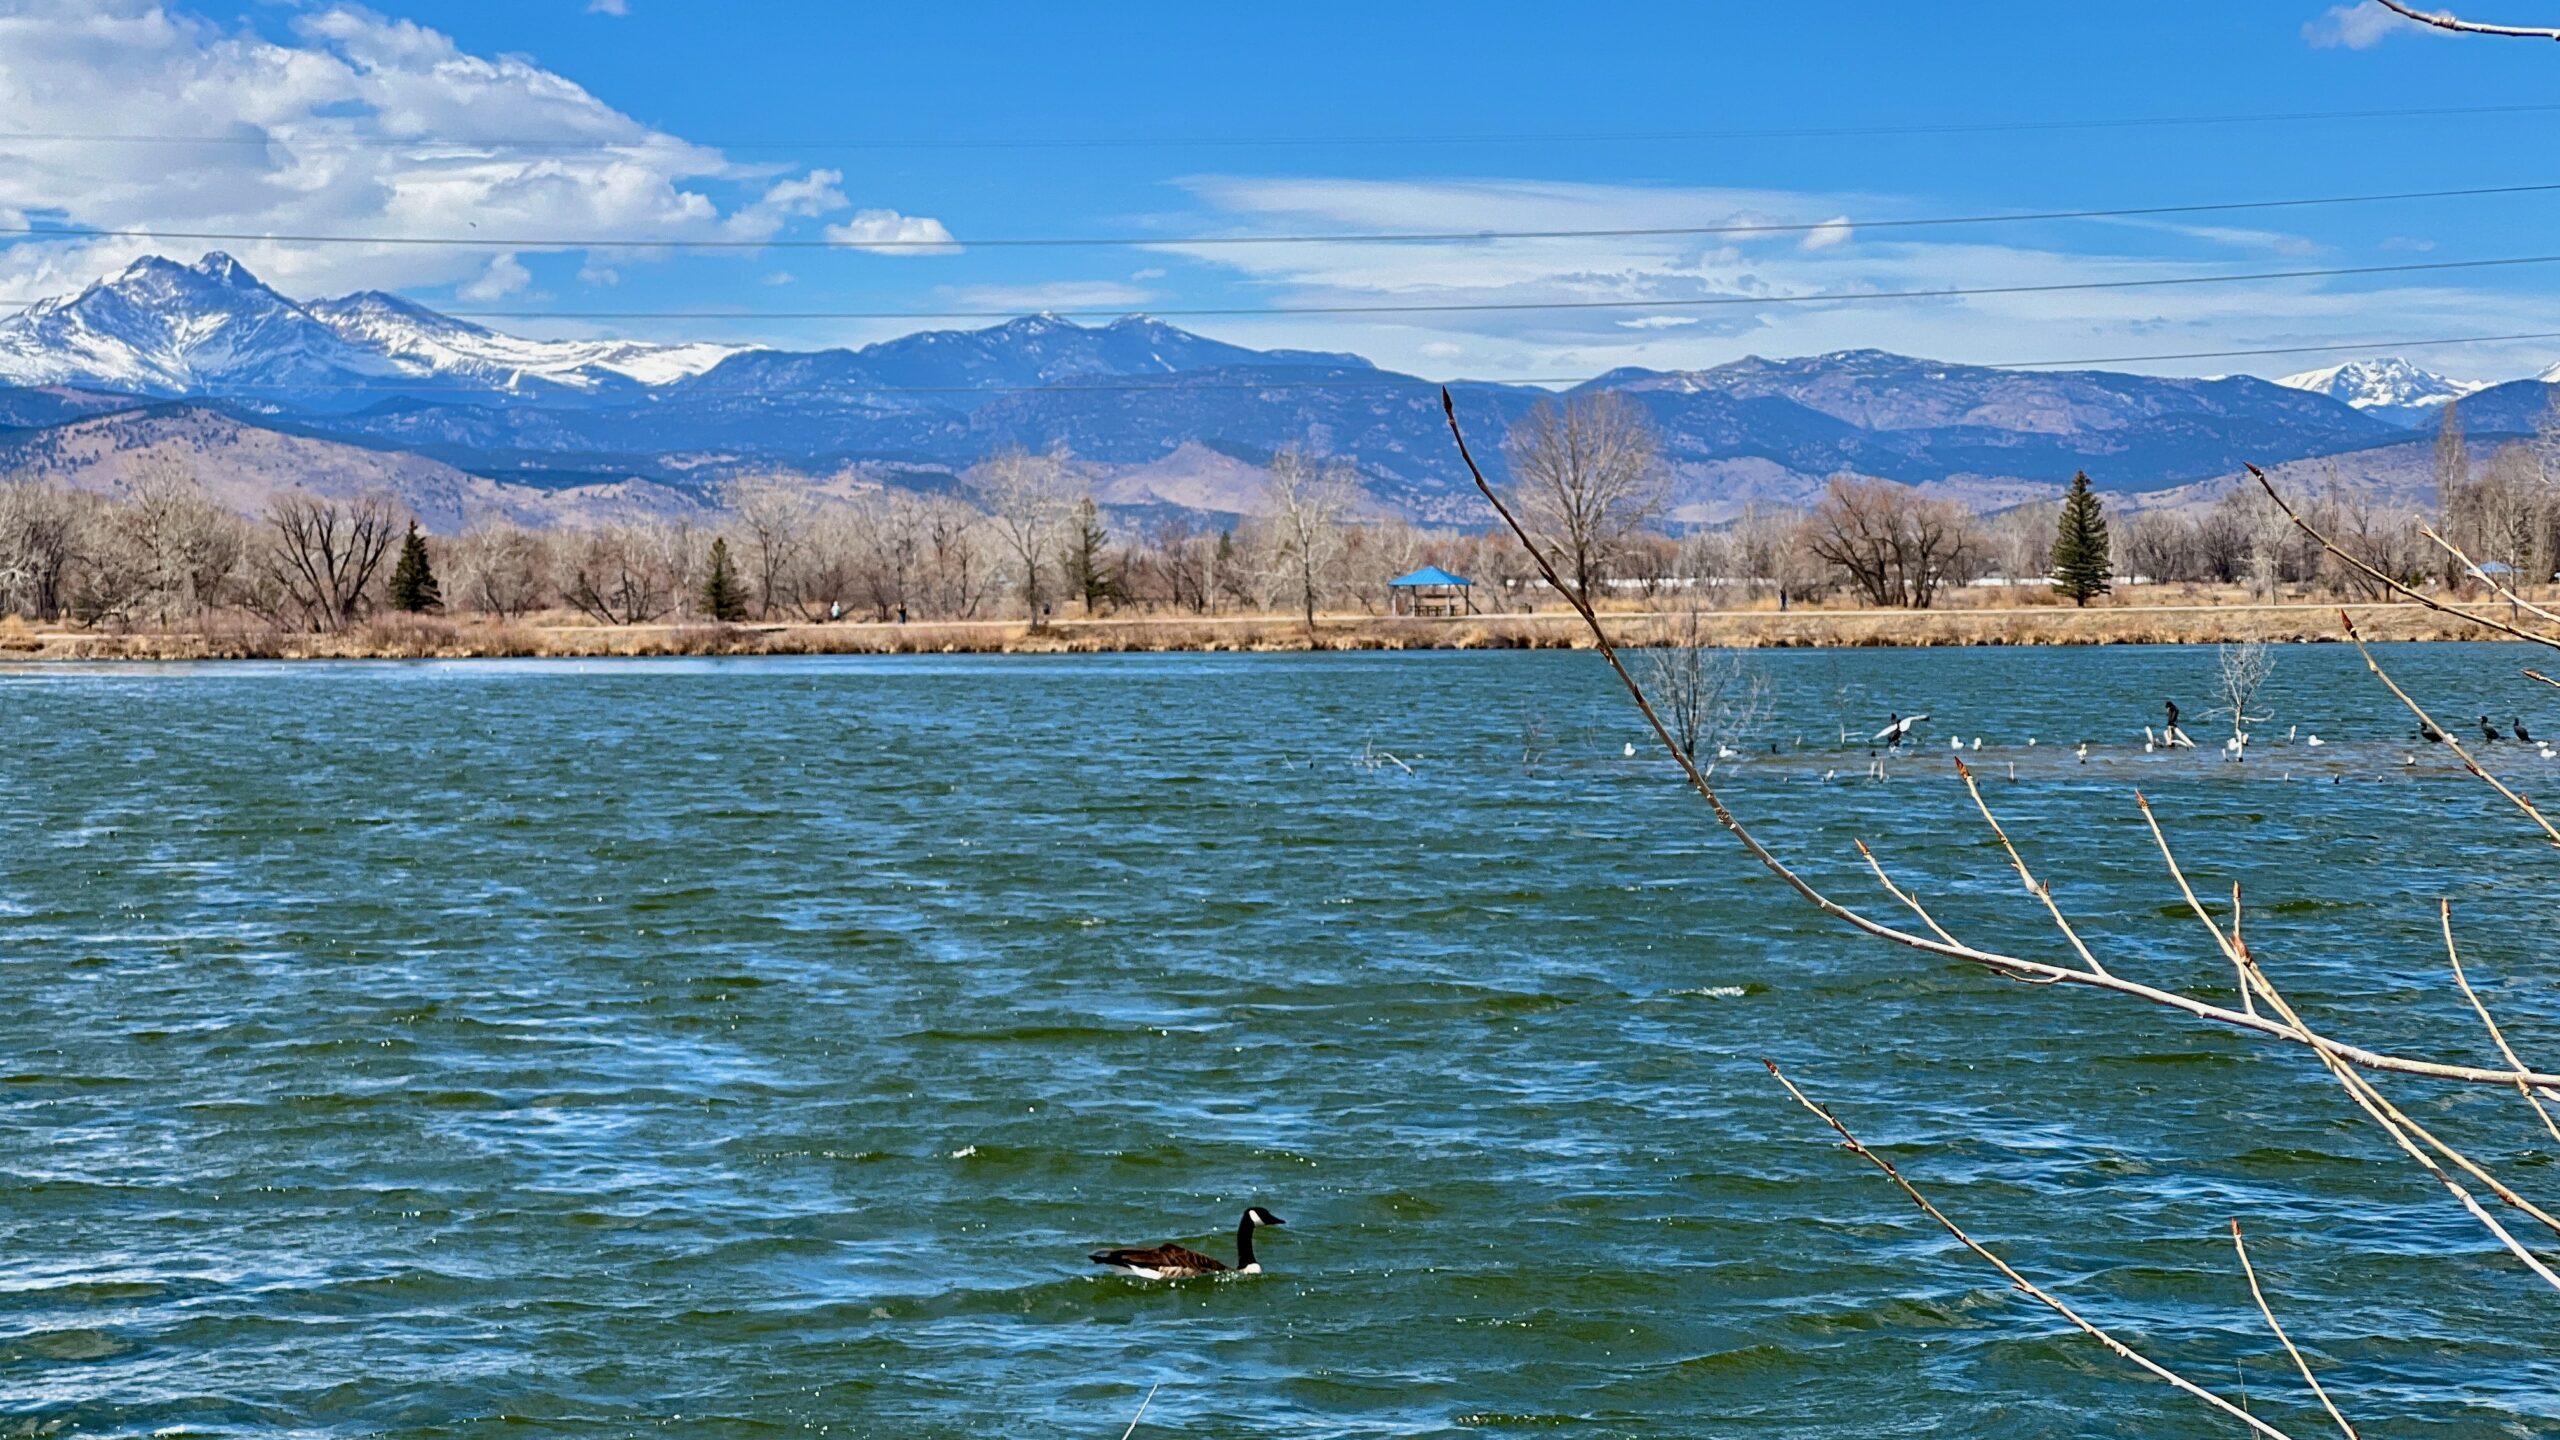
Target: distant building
[1431, 591]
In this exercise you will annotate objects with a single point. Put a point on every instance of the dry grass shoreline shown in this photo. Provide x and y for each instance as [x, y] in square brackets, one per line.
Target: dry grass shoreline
[404, 637]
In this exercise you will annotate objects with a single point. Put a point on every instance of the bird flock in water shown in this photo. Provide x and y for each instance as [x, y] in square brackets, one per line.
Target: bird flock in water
[1890, 740]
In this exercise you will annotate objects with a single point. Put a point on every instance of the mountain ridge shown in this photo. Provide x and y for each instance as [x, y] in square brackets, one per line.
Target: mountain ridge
[1170, 410]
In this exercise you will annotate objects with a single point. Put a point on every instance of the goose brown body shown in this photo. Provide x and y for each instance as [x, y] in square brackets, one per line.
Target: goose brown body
[1164, 1262]
[1178, 1262]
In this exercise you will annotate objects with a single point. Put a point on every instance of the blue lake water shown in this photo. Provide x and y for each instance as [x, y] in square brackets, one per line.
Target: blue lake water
[756, 1048]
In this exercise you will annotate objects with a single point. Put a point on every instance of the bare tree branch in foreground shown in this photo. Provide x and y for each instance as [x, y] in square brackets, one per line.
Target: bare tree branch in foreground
[2012, 966]
[2025, 1286]
[2447, 20]
[2350, 1066]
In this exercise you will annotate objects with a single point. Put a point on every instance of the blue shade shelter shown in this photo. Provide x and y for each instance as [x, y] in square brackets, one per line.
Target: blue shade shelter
[1431, 591]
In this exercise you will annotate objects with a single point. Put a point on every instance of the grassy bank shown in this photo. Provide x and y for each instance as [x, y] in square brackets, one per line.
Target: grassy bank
[416, 637]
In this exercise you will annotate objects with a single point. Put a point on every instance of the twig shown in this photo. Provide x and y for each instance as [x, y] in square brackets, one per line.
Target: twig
[2545, 679]
[2444, 911]
[2447, 20]
[2495, 586]
[1142, 1410]
[2228, 945]
[2450, 743]
[2398, 1127]
[2024, 1285]
[2015, 967]
[2035, 887]
[2388, 581]
[2251, 1272]
[1898, 893]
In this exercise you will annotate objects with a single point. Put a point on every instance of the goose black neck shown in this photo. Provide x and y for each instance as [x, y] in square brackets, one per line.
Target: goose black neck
[1244, 1241]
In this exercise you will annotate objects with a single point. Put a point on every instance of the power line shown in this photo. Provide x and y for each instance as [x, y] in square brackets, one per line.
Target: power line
[1174, 384]
[1134, 142]
[494, 242]
[1454, 307]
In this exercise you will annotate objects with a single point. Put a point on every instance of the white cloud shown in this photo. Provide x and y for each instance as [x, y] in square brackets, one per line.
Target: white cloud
[615, 8]
[593, 273]
[904, 234]
[354, 123]
[2356, 26]
[1152, 272]
[1695, 300]
[812, 194]
[505, 276]
[1064, 295]
[1830, 232]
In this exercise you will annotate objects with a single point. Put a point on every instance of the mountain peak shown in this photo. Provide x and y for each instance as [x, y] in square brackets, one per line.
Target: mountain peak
[2387, 386]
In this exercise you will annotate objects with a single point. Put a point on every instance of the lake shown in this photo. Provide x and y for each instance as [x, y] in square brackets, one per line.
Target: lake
[756, 1048]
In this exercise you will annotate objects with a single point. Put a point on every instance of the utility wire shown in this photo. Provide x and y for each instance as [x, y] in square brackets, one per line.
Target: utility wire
[495, 242]
[1174, 383]
[1152, 142]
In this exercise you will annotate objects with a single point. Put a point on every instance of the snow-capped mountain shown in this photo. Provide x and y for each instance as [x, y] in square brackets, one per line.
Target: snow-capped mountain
[427, 343]
[2390, 388]
[162, 328]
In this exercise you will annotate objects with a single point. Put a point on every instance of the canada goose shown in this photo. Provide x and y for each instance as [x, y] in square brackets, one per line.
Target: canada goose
[2430, 734]
[1893, 733]
[2488, 731]
[1175, 1262]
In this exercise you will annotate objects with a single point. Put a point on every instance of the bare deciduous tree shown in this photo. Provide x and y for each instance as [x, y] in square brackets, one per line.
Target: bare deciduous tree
[41, 530]
[617, 575]
[2240, 672]
[173, 551]
[1026, 500]
[776, 517]
[1585, 476]
[1713, 697]
[501, 568]
[1309, 497]
[321, 556]
[1889, 544]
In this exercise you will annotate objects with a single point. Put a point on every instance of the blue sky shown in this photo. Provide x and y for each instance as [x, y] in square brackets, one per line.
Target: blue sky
[788, 121]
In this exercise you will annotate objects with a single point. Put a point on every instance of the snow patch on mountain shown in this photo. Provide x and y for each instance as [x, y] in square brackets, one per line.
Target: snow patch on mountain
[159, 327]
[2385, 384]
[423, 342]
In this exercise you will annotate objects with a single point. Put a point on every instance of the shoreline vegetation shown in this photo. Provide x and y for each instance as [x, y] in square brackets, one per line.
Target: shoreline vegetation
[398, 636]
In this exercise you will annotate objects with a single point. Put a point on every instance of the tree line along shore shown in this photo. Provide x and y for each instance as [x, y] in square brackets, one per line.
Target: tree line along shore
[1018, 558]
[424, 637]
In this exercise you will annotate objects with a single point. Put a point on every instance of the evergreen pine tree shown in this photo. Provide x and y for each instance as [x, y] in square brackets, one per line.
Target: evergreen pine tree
[413, 580]
[1087, 561]
[2081, 564]
[723, 598]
